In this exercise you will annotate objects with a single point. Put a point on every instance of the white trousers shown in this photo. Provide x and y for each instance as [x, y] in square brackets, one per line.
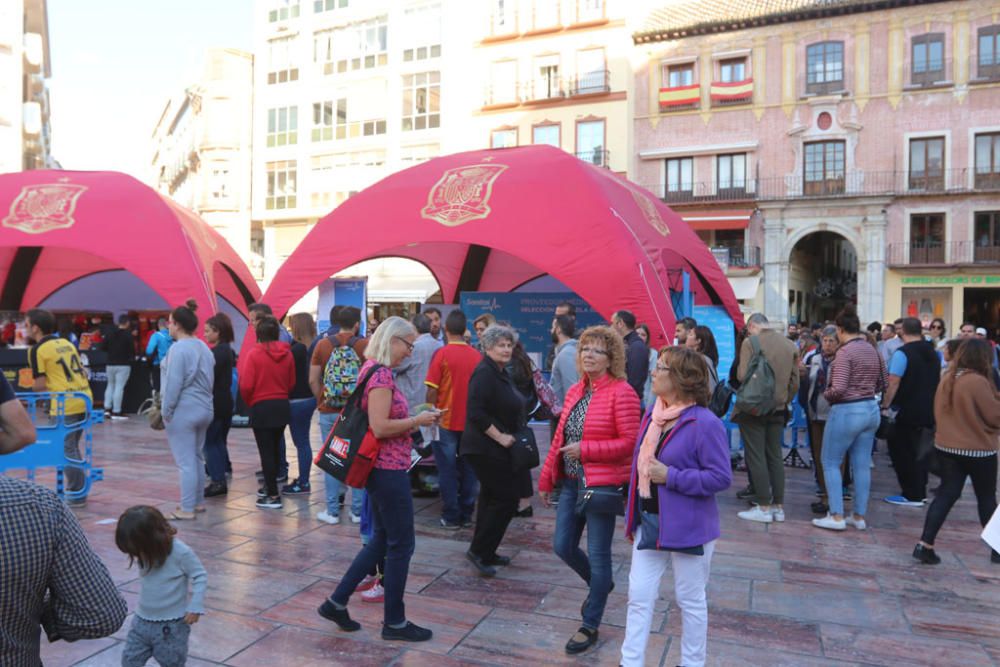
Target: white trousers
[690, 581]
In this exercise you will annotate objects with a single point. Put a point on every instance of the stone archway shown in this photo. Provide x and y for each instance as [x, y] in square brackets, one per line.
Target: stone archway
[822, 276]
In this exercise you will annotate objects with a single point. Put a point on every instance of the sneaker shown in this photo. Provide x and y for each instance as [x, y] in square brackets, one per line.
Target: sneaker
[269, 502]
[746, 492]
[448, 525]
[847, 494]
[366, 583]
[328, 518]
[408, 633]
[216, 489]
[756, 514]
[296, 488]
[778, 515]
[118, 417]
[261, 492]
[374, 594]
[338, 616]
[283, 478]
[902, 501]
[857, 523]
[819, 507]
[830, 523]
[355, 518]
[925, 555]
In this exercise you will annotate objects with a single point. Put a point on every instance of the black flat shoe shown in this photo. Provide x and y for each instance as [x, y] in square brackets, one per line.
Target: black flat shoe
[502, 561]
[575, 645]
[484, 568]
[338, 616]
[925, 555]
[409, 633]
[528, 511]
[216, 489]
[819, 507]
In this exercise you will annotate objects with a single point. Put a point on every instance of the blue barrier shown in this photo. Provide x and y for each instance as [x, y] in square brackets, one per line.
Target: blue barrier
[48, 450]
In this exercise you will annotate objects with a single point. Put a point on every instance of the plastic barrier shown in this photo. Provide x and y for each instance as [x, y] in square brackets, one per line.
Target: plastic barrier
[47, 451]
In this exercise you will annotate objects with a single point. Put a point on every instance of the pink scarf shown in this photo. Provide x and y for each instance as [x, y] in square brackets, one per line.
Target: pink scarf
[662, 413]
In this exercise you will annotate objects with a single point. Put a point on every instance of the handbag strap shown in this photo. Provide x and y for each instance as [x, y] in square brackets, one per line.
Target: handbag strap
[359, 388]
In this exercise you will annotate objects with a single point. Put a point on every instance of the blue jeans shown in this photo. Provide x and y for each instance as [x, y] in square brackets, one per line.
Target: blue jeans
[594, 567]
[849, 430]
[333, 486]
[302, 412]
[456, 479]
[393, 539]
[216, 453]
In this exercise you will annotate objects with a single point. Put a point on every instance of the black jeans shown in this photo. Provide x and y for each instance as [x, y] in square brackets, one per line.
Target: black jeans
[269, 419]
[954, 469]
[216, 454]
[912, 476]
[498, 496]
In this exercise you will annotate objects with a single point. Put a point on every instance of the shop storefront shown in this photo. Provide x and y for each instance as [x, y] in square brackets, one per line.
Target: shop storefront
[954, 297]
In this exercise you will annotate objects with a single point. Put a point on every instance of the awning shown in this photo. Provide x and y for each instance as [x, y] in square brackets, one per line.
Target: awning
[708, 220]
[745, 287]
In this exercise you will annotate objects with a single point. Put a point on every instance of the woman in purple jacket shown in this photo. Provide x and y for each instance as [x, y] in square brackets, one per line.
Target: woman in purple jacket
[680, 463]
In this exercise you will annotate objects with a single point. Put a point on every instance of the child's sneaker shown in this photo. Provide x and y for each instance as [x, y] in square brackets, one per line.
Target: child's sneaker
[296, 488]
[374, 594]
[367, 583]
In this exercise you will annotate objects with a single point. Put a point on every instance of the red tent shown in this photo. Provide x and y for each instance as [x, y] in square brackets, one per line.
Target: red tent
[492, 220]
[60, 226]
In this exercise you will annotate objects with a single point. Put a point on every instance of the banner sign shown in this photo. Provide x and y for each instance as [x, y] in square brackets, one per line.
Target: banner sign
[717, 319]
[342, 292]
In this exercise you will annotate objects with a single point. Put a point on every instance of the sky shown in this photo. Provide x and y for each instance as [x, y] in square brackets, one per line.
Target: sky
[115, 63]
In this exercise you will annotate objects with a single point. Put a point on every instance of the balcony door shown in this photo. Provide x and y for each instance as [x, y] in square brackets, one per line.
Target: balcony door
[927, 164]
[927, 238]
[590, 141]
[824, 168]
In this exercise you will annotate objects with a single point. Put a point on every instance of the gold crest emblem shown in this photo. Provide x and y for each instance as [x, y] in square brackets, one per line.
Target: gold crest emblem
[462, 194]
[649, 211]
[44, 207]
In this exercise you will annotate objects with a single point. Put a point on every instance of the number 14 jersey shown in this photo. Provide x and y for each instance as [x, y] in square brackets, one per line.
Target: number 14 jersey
[57, 360]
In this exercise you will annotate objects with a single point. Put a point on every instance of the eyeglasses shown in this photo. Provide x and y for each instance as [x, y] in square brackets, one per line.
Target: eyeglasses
[660, 368]
[408, 344]
[593, 350]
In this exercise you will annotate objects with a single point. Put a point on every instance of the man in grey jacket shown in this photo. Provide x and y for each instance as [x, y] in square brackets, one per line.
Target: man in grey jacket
[410, 373]
[564, 371]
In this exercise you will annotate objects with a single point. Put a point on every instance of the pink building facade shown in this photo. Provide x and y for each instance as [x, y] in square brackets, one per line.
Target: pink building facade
[847, 152]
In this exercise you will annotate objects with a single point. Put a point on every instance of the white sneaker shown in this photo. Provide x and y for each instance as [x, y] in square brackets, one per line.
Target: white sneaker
[374, 594]
[757, 514]
[857, 523]
[778, 514]
[326, 517]
[830, 523]
[355, 518]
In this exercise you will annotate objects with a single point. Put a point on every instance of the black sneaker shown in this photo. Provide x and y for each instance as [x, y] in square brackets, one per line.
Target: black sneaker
[338, 616]
[925, 555]
[261, 493]
[408, 633]
[498, 560]
[216, 489]
[484, 569]
[746, 492]
[448, 525]
[282, 478]
[296, 488]
[269, 502]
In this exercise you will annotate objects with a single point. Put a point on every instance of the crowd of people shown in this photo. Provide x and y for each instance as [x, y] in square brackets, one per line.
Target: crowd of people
[632, 435]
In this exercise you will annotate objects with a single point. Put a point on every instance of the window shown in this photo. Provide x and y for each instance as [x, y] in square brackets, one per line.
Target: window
[590, 142]
[339, 119]
[282, 126]
[825, 67]
[927, 164]
[680, 75]
[360, 46]
[279, 61]
[421, 101]
[281, 178]
[824, 168]
[927, 59]
[547, 84]
[546, 134]
[504, 138]
[589, 10]
[283, 10]
[731, 172]
[987, 236]
[989, 52]
[591, 72]
[680, 178]
[422, 37]
[988, 160]
[927, 238]
[546, 14]
[323, 120]
[418, 154]
[503, 89]
[503, 18]
[320, 6]
[733, 70]
[219, 183]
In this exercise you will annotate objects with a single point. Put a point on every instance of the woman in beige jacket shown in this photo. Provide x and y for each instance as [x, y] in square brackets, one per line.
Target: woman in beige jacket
[967, 411]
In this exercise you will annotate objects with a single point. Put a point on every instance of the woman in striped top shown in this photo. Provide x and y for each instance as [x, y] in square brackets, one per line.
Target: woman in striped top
[857, 374]
[967, 413]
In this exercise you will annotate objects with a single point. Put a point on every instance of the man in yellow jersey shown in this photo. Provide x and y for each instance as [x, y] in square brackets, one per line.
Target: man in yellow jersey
[56, 367]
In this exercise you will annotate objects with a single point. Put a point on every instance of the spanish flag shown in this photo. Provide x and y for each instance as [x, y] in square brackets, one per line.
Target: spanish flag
[738, 90]
[673, 97]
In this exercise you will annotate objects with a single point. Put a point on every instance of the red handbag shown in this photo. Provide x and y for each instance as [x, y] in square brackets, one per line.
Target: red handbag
[350, 450]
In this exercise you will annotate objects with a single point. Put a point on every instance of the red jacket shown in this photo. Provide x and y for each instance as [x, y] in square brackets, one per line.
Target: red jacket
[609, 434]
[267, 374]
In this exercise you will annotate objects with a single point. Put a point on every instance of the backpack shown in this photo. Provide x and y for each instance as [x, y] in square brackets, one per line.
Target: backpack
[755, 396]
[722, 395]
[340, 376]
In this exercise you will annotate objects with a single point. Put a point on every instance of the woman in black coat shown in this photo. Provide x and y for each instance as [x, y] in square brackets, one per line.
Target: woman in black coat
[494, 414]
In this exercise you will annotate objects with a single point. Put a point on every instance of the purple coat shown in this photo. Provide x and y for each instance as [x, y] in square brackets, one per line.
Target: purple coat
[697, 455]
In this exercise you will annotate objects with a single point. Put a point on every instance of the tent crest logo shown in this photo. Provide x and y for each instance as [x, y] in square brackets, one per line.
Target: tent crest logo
[44, 207]
[462, 194]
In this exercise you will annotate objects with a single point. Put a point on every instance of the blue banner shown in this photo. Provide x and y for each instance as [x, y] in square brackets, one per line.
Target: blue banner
[342, 292]
[717, 319]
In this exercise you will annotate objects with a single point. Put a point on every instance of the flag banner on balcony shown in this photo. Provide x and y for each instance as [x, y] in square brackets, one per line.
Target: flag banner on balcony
[679, 96]
[728, 92]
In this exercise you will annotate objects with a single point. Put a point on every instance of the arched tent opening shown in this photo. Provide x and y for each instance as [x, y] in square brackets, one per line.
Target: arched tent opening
[496, 219]
[60, 227]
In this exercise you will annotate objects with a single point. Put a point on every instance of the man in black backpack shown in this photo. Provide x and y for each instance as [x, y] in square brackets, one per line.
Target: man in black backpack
[762, 419]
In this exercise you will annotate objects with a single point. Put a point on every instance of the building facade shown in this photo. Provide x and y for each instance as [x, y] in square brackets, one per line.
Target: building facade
[25, 133]
[558, 73]
[837, 152]
[201, 154]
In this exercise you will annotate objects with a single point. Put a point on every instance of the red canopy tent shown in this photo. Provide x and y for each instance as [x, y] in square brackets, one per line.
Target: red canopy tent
[492, 220]
[60, 226]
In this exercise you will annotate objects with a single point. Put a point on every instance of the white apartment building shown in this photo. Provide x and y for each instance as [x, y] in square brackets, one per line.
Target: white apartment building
[345, 93]
[201, 151]
[25, 135]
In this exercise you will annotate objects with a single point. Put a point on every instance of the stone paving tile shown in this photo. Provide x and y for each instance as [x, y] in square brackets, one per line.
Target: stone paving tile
[782, 594]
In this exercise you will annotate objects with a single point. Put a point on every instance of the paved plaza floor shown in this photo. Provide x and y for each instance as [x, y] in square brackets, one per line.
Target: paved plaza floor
[781, 594]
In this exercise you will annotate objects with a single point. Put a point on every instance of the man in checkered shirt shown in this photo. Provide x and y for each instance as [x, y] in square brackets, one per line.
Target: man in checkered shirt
[49, 575]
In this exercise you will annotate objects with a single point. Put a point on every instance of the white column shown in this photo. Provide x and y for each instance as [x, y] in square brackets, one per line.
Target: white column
[871, 268]
[775, 268]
